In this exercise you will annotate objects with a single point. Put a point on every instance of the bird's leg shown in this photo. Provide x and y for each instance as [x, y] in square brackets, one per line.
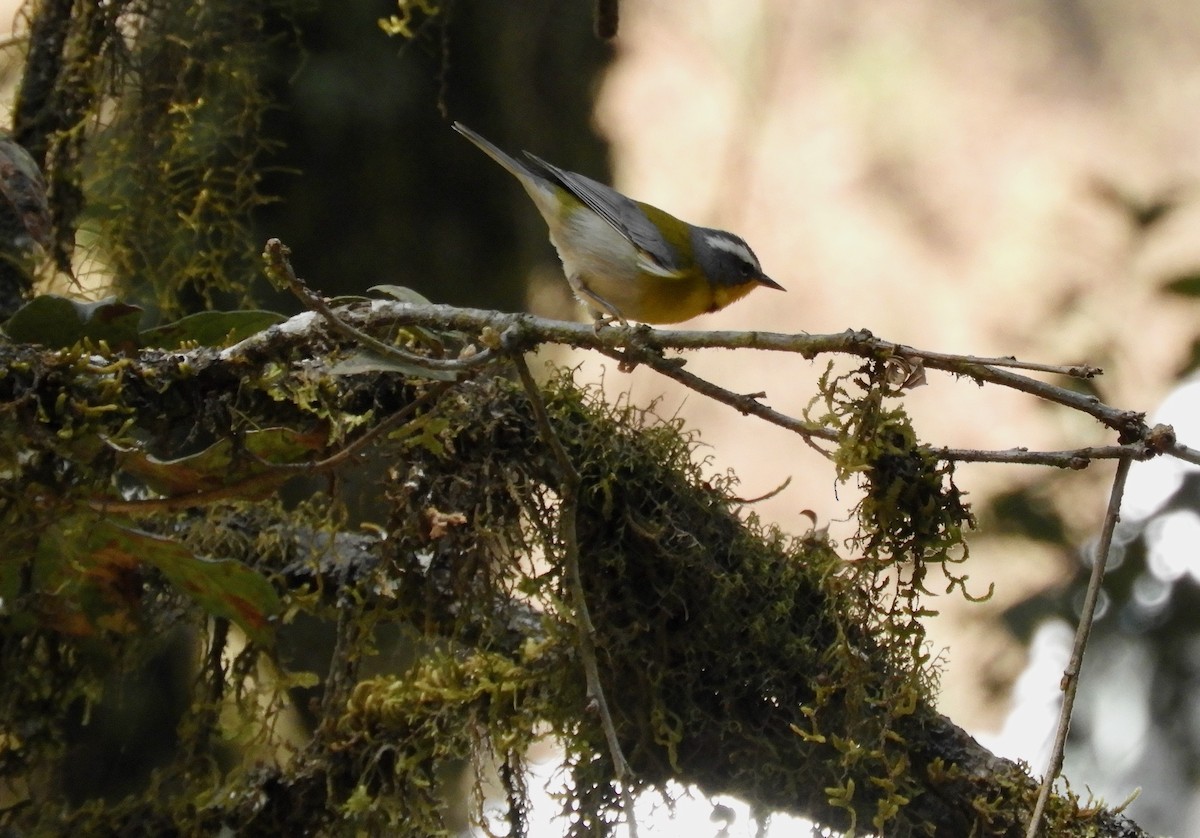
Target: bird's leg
[601, 309]
[600, 319]
[606, 313]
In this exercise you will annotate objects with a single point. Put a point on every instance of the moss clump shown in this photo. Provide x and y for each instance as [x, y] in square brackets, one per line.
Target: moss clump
[733, 657]
[175, 174]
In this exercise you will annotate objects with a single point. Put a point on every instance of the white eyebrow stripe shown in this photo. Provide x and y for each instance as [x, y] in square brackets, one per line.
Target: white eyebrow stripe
[731, 246]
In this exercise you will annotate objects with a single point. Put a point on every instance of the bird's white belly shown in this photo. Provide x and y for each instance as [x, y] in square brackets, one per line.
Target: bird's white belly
[598, 258]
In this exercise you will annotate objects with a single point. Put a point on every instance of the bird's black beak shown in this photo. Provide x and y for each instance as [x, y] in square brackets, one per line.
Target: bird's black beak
[763, 279]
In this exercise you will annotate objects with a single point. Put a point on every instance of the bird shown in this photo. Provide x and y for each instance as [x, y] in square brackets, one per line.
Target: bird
[625, 259]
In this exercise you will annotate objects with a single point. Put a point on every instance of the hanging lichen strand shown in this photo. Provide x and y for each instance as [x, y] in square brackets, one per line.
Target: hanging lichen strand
[173, 175]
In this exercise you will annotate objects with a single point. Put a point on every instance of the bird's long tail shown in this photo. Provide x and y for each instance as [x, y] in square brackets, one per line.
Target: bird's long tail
[512, 164]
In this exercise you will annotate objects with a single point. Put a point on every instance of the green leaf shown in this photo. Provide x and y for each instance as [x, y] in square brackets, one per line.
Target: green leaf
[425, 432]
[218, 465]
[364, 362]
[401, 294]
[407, 295]
[59, 322]
[86, 567]
[210, 328]
[346, 300]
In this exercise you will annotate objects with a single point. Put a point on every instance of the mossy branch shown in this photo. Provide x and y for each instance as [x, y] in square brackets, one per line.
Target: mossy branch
[737, 658]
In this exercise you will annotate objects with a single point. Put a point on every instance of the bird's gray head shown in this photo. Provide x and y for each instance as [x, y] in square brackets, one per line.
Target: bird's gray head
[727, 260]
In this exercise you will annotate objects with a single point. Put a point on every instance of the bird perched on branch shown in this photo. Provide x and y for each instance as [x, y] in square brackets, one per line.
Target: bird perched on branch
[626, 260]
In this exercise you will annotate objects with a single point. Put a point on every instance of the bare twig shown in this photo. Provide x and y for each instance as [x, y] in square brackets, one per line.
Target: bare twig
[538, 330]
[1069, 370]
[1073, 458]
[642, 345]
[279, 268]
[569, 483]
[1130, 424]
[744, 404]
[765, 495]
[1070, 679]
[1183, 452]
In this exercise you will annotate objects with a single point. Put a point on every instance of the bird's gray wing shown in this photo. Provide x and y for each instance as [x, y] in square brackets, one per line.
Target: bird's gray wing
[626, 217]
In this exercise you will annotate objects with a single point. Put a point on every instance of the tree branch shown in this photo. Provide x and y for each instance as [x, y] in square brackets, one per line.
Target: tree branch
[644, 345]
[726, 635]
[568, 512]
[1070, 679]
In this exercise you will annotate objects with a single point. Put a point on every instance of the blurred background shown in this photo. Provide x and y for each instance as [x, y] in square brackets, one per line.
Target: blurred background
[972, 177]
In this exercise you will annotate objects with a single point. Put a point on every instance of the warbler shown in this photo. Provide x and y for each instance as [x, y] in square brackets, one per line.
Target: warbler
[626, 260]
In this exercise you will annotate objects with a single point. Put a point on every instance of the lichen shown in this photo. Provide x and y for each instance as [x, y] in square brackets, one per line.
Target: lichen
[173, 176]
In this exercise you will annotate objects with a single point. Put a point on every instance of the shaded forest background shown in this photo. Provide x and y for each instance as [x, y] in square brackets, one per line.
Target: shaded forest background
[955, 176]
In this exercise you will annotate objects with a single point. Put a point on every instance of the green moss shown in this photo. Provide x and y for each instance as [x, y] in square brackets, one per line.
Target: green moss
[174, 176]
[699, 610]
[732, 655]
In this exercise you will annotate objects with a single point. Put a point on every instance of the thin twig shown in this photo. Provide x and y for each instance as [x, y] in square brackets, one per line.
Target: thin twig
[279, 267]
[1073, 458]
[13, 40]
[570, 481]
[1185, 453]
[765, 496]
[1069, 370]
[744, 404]
[1070, 679]
[1128, 423]
[643, 345]
[861, 343]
